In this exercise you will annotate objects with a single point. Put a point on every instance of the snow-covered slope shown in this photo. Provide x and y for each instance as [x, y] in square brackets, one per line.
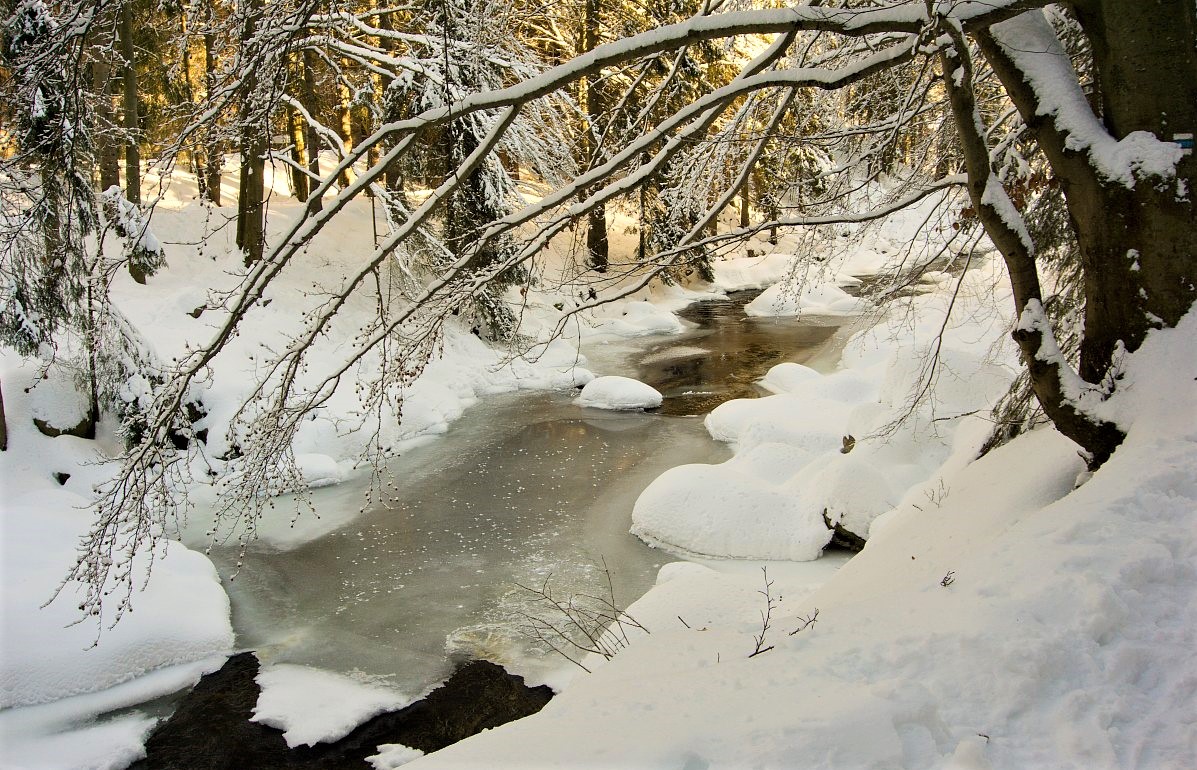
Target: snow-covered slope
[1007, 621]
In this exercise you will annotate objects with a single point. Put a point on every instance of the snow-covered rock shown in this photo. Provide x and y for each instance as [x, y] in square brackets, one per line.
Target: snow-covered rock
[619, 393]
[313, 706]
[716, 510]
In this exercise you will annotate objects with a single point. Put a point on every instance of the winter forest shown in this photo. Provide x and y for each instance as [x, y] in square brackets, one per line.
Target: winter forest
[670, 384]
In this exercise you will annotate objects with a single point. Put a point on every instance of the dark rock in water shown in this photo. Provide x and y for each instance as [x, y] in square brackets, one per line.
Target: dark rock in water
[211, 728]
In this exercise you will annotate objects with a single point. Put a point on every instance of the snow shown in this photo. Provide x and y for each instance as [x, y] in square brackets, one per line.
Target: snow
[1016, 621]
[313, 706]
[47, 656]
[619, 393]
[783, 299]
[57, 677]
[1032, 45]
[638, 319]
[841, 448]
[392, 755]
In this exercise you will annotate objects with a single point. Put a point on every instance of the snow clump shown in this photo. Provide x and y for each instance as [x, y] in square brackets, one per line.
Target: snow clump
[620, 393]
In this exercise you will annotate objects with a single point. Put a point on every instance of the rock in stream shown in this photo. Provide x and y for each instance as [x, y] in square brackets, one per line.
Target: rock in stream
[211, 730]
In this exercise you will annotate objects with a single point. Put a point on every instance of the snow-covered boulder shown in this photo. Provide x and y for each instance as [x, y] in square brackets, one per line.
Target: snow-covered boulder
[718, 510]
[313, 706]
[620, 393]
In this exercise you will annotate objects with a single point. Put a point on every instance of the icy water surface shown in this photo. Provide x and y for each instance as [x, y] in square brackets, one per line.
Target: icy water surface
[524, 489]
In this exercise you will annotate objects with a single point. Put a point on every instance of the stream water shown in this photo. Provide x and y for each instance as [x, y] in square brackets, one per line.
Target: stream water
[524, 489]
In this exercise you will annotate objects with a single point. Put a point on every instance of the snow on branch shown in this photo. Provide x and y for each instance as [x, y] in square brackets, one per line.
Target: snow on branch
[1032, 46]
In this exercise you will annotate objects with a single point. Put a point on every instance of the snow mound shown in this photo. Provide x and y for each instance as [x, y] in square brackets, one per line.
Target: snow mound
[639, 319]
[47, 653]
[741, 273]
[319, 470]
[782, 300]
[313, 706]
[620, 393]
[787, 377]
[717, 510]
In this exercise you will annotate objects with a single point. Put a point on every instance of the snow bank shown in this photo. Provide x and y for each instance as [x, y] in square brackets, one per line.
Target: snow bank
[841, 448]
[1009, 620]
[739, 273]
[45, 656]
[782, 299]
[638, 319]
[313, 706]
[620, 393]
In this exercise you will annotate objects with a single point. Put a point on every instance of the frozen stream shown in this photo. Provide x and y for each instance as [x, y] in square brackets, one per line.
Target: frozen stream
[524, 488]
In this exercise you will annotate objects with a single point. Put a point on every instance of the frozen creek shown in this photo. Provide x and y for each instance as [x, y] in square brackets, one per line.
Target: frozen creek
[524, 488]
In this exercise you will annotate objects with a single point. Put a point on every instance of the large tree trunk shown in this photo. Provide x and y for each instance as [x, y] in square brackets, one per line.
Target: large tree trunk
[1135, 232]
[1051, 378]
[254, 146]
[1146, 61]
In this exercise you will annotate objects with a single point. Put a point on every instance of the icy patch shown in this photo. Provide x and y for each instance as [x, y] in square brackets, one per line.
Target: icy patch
[313, 706]
[619, 393]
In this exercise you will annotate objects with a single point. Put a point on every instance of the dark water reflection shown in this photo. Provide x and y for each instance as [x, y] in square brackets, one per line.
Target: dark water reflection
[729, 351]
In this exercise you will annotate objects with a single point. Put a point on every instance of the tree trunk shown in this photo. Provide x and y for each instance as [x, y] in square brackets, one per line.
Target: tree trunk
[1147, 66]
[598, 248]
[1136, 243]
[131, 107]
[315, 203]
[299, 180]
[107, 152]
[745, 212]
[254, 146]
[1049, 378]
[213, 151]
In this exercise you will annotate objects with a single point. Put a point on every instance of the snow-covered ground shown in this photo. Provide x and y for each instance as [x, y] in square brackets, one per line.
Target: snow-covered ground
[998, 617]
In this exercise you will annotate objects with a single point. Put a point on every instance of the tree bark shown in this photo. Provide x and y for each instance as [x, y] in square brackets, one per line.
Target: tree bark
[1136, 244]
[299, 180]
[131, 107]
[107, 152]
[598, 247]
[315, 203]
[213, 151]
[996, 212]
[254, 146]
